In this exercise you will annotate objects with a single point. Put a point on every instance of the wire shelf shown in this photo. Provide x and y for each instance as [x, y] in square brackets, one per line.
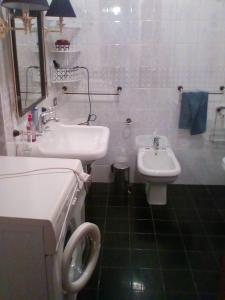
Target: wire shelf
[65, 75]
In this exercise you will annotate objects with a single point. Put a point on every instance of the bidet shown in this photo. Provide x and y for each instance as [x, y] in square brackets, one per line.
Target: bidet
[159, 166]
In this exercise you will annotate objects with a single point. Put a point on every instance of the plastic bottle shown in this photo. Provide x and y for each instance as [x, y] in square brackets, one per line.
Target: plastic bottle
[31, 131]
[35, 116]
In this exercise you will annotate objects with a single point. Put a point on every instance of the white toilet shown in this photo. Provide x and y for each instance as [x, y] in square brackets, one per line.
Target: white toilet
[158, 165]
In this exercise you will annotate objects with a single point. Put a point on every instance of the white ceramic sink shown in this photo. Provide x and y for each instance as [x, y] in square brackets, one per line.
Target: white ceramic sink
[87, 143]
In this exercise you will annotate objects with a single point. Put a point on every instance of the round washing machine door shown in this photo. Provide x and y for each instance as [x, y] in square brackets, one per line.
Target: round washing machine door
[80, 257]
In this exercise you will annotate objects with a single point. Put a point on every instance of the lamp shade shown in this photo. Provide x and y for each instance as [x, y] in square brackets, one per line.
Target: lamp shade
[59, 8]
[36, 5]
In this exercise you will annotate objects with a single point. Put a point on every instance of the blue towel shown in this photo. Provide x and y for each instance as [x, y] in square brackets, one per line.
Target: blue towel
[193, 114]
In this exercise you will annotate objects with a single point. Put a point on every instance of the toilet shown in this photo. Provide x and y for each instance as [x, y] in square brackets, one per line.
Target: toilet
[158, 165]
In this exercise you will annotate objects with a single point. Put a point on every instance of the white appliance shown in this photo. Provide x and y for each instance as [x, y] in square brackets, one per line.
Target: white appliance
[46, 249]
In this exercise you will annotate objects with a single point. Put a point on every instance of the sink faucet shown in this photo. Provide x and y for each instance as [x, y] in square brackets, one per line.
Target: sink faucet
[45, 117]
[49, 115]
[156, 142]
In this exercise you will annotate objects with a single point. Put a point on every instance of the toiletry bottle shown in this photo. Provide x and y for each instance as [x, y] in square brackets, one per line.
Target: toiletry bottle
[28, 127]
[31, 131]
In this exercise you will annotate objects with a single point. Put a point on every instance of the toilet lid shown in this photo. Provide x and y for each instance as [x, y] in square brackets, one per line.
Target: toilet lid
[147, 141]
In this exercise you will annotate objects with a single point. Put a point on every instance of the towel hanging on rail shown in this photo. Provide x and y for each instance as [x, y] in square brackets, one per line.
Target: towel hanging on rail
[193, 114]
[222, 89]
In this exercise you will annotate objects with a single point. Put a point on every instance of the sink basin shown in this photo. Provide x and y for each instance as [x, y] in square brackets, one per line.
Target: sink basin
[87, 143]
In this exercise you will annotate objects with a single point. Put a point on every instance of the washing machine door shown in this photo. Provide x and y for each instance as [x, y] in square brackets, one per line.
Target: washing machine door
[80, 257]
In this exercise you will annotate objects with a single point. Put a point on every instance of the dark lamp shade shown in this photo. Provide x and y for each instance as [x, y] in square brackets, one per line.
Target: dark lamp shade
[59, 8]
[36, 5]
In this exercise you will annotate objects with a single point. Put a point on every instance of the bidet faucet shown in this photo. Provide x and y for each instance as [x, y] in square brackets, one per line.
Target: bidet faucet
[156, 142]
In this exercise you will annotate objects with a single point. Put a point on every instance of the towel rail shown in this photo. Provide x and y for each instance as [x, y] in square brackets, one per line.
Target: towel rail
[222, 88]
[119, 90]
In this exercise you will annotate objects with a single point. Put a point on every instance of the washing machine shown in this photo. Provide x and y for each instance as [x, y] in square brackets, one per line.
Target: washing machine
[47, 251]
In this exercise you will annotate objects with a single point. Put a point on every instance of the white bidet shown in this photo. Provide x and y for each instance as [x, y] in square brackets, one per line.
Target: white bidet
[159, 167]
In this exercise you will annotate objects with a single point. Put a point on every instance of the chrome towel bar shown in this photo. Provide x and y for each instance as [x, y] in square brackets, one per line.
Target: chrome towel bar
[222, 88]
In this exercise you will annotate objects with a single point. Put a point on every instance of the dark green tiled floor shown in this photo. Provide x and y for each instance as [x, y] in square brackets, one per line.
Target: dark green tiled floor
[172, 252]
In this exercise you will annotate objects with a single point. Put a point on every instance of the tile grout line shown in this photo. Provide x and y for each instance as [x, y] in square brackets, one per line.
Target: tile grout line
[157, 251]
[130, 240]
[217, 208]
[186, 252]
[102, 243]
[130, 232]
[204, 230]
[207, 236]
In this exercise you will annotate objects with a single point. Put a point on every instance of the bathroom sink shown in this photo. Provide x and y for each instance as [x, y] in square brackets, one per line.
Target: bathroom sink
[87, 143]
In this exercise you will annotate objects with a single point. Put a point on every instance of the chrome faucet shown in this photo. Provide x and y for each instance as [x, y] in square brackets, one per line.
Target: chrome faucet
[49, 115]
[156, 142]
[45, 117]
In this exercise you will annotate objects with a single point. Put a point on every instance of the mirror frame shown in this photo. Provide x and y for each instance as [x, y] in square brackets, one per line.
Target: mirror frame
[43, 75]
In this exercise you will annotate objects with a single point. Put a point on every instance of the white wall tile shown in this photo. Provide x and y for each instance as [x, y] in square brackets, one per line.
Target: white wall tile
[190, 10]
[212, 30]
[212, 10]
[165, 10]
[187, 32]
[149, 47]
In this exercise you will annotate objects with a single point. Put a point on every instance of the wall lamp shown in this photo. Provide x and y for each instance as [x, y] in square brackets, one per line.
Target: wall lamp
[22, 10]
[25, 6]
[57, 9]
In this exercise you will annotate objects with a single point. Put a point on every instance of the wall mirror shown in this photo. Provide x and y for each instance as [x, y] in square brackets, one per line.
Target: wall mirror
[29, 61]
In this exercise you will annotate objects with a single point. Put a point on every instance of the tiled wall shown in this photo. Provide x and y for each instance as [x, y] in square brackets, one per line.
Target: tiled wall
[8, 108]
[2, 134]
[2, 131]
[150, 47]
[7, 105]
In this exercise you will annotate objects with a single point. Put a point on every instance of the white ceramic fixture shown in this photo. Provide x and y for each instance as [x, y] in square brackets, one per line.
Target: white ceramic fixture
[159, 166]
[223, 163]
[44, 254]
[87, 143]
